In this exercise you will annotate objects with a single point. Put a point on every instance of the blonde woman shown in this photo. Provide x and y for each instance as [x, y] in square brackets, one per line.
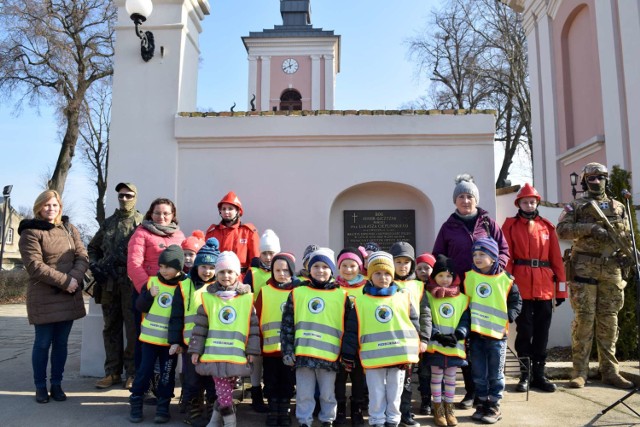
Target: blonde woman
[56, 260]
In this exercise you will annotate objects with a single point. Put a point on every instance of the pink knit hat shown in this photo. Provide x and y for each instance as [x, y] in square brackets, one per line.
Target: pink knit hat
[228, 261]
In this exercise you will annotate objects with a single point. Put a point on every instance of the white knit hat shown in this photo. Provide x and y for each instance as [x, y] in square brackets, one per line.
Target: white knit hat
[269, 242]
[228, 261]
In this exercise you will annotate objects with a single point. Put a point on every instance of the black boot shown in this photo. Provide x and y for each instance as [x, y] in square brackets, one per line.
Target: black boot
[284, 416]
[257, 401]
[272, 416]
[162, 411]
[539, 381]
[523, 383]
[356, 413]
[425, 405]
[57, 394]
[135, 404]
[341, 414]
[194, 412]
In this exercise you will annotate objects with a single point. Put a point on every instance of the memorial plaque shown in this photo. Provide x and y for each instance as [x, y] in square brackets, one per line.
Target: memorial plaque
[385, 227]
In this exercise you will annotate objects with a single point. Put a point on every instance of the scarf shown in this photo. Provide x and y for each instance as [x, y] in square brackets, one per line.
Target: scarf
[442, 292]
[350, 283]
[469, 221]
[160, 230]
[528, 215]
[380, 292]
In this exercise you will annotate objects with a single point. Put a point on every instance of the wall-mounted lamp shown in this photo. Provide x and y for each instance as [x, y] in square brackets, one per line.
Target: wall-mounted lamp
[139, 11]
[573, 177]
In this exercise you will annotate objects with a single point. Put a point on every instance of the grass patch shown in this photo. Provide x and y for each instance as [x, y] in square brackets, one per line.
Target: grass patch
[13, 286]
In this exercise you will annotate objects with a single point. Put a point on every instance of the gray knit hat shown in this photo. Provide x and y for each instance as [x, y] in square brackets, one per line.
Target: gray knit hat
[465, 185]
[173, 256]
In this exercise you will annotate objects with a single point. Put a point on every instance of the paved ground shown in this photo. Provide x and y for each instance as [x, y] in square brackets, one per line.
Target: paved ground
[88, 406]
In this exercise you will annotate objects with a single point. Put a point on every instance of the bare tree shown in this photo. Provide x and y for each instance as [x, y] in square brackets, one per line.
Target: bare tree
[94, 143]
[55, 51]
[477, 58]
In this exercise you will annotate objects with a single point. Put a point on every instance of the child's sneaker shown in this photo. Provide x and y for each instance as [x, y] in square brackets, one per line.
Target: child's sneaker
[492, 414]
[481, 410]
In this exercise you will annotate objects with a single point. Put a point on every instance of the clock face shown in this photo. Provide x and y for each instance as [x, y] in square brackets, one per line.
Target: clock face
[290, 66]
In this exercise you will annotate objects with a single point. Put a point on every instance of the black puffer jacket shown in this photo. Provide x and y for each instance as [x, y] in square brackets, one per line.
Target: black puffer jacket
[288, 331]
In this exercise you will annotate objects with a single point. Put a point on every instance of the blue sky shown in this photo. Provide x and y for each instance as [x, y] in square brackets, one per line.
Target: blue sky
[375, 73]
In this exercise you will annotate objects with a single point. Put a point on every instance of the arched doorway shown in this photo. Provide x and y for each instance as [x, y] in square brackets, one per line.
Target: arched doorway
[383, 197]
[290, 100]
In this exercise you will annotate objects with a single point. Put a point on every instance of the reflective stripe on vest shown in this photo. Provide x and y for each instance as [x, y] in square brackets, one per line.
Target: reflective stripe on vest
[154, 328]
[385, 333]
[273, 301]
[192, 301]
[229, 323]
[416, 290]
[446, 314]
[488, 303]
[319, 322]
[259, 278]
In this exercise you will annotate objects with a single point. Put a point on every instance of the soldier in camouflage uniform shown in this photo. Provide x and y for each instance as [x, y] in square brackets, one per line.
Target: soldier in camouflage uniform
[108, 263]
[596, 286]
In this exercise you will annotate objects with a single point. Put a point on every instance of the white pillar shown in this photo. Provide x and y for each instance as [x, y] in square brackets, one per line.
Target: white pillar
[613, 108]
[265, 83]
[146, 97]
[315, 83]
[329, 82]
[547, 171]
[629, 36]
[253, 79]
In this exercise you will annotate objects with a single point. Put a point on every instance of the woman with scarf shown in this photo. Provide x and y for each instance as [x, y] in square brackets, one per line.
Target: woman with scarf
[159, 230]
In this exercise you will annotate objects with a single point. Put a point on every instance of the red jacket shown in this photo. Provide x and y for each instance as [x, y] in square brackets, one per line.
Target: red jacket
[240, 238]
[538, 242]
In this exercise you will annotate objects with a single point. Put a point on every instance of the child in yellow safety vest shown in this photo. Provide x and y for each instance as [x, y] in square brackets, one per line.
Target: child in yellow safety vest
[257, 277]
[424, 267]
[311, 337]
[494, 303]
[202, 274]
[446, 350]
[225, 336]
[384, 330]
[160, 335]
[279, 379]
[351, 280]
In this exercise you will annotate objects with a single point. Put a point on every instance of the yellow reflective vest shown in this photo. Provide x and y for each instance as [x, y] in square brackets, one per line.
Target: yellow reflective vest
[229, 323]
[488, 302]
[273, 301]
[259, 278]
[192, 301]
[415, 288]
[386, 335]
[446, 313]
[154, 328]
[319, 322]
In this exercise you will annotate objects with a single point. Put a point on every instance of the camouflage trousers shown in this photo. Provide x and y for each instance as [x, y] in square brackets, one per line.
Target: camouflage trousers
[119, 333]
[596, 308]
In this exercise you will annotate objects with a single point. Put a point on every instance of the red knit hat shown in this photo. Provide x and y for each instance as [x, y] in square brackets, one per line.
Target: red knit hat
[427, 258]
[193, 242]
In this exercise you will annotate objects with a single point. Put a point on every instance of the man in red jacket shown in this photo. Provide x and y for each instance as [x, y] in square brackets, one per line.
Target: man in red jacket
[233, 235]
[536, 264]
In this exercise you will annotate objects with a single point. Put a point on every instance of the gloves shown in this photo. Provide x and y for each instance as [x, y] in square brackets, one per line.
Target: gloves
[436, 337]
[289, 359]
[459, 335]
[449, 340]
[98, 274]
[348, 365]
[599, 233]
[559, 301]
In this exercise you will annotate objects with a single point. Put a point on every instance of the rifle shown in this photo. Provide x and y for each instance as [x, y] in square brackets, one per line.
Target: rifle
[624, 245]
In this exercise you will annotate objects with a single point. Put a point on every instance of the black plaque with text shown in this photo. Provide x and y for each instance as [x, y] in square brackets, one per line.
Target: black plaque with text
[385, 227]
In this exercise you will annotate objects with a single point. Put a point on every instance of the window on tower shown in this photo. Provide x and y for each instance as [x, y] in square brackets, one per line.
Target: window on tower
[290, 100]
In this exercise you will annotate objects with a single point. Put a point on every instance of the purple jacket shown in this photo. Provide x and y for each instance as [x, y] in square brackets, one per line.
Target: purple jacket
[455, 241]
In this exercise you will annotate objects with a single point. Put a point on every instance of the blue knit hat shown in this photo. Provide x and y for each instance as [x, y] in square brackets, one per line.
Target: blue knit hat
[325, 255]
[209, 253]
[488, 246]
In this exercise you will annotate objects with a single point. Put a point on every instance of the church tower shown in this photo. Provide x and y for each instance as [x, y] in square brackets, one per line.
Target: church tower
[294, 65]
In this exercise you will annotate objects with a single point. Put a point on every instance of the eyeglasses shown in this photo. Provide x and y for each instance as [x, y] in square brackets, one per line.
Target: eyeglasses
[594, 178]
[126, 196]
[164, 214]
